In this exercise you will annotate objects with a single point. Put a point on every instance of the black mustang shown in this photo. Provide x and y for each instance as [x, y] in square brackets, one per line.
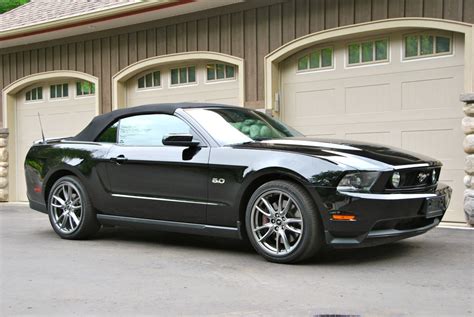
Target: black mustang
[232, 172]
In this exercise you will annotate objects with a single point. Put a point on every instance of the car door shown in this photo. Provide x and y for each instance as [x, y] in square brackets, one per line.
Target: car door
[150, 180]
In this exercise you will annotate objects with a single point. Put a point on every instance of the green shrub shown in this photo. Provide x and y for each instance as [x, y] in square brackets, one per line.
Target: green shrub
[7, 5]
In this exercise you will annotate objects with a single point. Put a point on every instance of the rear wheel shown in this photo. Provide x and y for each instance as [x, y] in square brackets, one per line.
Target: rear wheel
[70, 211]
[282, 222]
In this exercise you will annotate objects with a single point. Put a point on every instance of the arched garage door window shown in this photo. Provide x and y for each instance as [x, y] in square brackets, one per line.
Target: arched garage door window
[183, 77]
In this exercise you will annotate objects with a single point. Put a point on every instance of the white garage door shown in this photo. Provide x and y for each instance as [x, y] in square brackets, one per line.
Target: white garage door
[202, 81]
[400, 89]
[66, 107]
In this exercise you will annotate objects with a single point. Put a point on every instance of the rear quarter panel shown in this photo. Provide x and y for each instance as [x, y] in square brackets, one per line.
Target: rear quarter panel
[44, 163]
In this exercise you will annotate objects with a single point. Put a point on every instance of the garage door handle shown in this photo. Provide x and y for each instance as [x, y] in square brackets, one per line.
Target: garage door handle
[119, 159]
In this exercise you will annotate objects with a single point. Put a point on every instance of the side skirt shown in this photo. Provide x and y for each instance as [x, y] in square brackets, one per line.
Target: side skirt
[171, 226]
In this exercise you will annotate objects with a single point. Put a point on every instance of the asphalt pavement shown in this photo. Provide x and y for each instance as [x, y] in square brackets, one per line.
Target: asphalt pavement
[128, 273]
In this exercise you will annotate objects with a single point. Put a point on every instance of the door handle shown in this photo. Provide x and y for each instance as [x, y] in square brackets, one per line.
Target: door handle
[119, 159]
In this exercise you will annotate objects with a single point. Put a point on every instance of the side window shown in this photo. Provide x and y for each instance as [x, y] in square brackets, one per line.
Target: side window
[109, 135]
[150, 80]
[85, 88]
[34, 94]
[58, 91]
[220, 71]
[183, 75]
[318, 59]
[365, 52]
[426, 45]
[148, 130]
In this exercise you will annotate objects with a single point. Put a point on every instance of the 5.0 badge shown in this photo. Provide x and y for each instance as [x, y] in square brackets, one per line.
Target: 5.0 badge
[216, 180]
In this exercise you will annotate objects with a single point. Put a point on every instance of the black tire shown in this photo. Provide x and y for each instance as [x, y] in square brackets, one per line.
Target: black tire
[87, 224]
[311, 240]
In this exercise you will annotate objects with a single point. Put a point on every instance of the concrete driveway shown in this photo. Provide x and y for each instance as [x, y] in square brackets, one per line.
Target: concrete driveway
[123, 272]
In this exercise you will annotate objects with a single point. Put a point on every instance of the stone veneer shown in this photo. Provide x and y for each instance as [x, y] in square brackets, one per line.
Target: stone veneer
[3, 164]
[468, 128]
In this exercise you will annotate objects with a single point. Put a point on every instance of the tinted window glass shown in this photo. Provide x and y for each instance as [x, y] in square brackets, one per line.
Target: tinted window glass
[220, 71]
[148, 130]
[231, 126]
[65, 90]
[174, 76]
[35, 94]
[109, 135]
[211, 72]
[354, 54]
[314, 59]
[192, 74]
[326, 57]
[381, 50]
[303, 63]
[156, 78]
[411, 46]
[149, 80]
[141, 82]
[229, 71]
[85, 88]
[58, 91]
[426, 45]
[367, 52]
[442, 44]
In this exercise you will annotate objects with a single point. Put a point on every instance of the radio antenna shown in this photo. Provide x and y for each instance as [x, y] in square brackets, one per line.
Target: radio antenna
[41, 126]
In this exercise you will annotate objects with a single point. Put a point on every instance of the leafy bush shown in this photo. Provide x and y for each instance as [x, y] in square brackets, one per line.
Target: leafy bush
[7, 5]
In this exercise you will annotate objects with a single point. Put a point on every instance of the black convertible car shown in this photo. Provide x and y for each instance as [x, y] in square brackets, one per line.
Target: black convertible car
[232, 172]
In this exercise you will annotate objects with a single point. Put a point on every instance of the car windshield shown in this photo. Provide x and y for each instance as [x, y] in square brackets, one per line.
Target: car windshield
[234, 126]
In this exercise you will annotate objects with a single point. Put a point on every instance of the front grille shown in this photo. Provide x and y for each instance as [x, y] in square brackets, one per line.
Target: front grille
[415, 178]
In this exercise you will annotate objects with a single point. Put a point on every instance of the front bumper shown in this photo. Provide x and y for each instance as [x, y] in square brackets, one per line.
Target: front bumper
[383, 218]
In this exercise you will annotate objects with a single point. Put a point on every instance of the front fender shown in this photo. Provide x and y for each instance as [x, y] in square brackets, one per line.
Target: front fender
[243, 168]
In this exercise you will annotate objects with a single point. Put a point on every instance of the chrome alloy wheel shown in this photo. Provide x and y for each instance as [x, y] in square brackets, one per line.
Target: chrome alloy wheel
[66, 207]
[276, 222]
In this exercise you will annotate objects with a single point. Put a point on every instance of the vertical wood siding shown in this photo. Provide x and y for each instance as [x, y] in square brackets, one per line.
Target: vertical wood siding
[250, 33]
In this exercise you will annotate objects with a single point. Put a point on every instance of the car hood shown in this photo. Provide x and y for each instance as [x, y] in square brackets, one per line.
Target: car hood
[358, 155]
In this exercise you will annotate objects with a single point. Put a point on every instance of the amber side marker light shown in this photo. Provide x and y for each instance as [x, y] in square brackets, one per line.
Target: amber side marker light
[343, 217]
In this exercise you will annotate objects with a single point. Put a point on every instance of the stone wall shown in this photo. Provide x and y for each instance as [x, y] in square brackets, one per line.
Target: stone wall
[3, 164]
[468, 128]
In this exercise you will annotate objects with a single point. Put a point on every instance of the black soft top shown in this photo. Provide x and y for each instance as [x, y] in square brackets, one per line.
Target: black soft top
[99, 123]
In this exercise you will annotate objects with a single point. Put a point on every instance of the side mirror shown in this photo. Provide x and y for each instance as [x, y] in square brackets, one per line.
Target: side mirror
[179, 139]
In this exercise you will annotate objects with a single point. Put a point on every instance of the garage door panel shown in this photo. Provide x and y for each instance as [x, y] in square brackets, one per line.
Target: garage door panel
[385, 117]
[384, 137]
[368, 98]
[436, 143]
[322, 135]
[418, 136]
[55, 106]
[430, 93]
[317, 102]
[313, 103]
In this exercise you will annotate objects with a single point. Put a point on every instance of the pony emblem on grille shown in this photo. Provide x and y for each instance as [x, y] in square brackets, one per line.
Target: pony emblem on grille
[421, 177]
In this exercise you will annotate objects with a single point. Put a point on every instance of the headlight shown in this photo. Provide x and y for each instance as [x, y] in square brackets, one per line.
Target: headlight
[357, 182]
[396, 179]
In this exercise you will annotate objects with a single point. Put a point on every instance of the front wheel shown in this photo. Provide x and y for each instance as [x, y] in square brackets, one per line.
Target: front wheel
[282, 222]
[70, 212]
